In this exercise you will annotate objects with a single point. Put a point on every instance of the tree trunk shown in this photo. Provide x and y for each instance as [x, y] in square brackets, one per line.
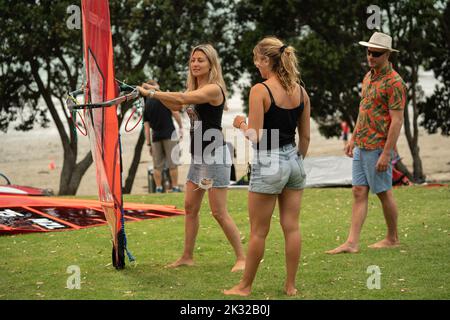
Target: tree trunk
[135, 163]
[72, 173]
[413, 137]
[403, 169]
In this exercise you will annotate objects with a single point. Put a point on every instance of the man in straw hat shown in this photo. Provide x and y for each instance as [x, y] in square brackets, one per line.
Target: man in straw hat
[374, 138]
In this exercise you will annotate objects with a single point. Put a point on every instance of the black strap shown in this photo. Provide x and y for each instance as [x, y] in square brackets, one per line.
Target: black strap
[223, 94]
[270, 92]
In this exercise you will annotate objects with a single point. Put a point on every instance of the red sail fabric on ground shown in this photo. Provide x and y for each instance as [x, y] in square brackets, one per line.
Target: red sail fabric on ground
[25, 214]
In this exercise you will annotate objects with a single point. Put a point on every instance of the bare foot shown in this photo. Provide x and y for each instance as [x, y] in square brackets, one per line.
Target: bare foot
[344, 248]
[181, 262]
[238, 291]
[239, 266]
[385, 243]
[290, 291]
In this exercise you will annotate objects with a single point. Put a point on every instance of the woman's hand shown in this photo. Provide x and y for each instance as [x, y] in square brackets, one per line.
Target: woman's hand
[143, 92]
[238, 120]
[150, 87]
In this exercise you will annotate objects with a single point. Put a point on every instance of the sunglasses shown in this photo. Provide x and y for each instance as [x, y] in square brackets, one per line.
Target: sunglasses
[375, 54]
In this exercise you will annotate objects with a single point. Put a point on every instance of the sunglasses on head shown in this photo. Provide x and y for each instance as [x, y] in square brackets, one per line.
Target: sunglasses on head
[375, 54]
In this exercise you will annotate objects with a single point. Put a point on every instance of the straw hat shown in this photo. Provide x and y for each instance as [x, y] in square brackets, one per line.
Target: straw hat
[379, 40]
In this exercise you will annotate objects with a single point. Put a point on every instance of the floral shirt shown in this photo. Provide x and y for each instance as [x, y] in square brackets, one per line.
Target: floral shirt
[380, 93]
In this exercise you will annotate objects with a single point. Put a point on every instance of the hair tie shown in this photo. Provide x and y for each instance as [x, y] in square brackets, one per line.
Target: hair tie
[282, 48]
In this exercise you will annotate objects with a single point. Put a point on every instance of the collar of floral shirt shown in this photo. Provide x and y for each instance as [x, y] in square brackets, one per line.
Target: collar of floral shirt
[384, 71]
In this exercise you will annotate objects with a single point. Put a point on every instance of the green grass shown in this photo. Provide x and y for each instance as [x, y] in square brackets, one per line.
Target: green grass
[34, 266]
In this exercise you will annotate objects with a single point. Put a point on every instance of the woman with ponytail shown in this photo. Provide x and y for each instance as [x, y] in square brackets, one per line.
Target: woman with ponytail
[278, 106]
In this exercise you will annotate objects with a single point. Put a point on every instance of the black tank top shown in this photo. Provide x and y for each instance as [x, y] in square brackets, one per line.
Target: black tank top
[206, 117]
[281, 119]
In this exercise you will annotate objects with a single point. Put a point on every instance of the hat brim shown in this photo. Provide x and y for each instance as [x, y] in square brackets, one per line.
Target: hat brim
[372, 45]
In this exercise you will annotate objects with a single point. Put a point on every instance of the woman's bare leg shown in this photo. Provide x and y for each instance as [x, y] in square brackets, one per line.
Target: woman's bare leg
[192, 203]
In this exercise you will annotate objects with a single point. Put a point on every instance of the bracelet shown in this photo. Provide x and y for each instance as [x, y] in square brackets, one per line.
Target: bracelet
[152, 93]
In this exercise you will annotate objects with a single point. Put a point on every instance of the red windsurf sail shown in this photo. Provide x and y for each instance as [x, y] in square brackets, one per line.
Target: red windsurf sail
[102, 123]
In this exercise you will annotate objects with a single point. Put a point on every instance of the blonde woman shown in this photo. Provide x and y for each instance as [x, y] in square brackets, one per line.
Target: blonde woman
[210, 159]
[278, 106]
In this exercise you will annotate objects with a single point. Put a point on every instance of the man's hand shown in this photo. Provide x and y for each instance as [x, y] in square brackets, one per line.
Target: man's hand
[348, 149]
[150, 149]
[383, 162]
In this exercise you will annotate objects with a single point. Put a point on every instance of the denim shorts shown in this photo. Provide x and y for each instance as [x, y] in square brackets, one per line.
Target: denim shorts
[274, 170]
[217, 168]
[364, 172]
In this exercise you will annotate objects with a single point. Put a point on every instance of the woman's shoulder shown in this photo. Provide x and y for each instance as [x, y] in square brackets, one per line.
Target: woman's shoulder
[304, 94]
[259, 88]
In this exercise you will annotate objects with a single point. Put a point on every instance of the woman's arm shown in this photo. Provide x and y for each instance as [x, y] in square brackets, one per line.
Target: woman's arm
[210, 93]
[253, 130]
[303, 126]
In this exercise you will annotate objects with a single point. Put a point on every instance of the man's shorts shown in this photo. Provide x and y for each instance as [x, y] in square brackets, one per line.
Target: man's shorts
[165, 150]
[274, 170]
[364, 172]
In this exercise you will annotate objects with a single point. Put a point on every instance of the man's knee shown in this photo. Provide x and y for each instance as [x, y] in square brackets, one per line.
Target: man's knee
[386, 196]
[360, 192]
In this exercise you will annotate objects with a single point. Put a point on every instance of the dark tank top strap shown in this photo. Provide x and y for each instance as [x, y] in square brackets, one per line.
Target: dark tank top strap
[270, 92]
[223, 94]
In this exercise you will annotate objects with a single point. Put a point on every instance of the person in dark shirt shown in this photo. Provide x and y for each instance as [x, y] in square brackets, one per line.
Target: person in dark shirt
[210, 165]
[162, 140]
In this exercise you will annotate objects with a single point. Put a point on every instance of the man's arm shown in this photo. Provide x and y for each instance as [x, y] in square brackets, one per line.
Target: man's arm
[177, 117]
[147, 133]
[396, 105]
[351, 143]
[391, 141]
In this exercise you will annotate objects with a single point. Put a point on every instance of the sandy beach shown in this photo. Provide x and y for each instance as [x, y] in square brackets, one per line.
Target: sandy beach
[26, 157]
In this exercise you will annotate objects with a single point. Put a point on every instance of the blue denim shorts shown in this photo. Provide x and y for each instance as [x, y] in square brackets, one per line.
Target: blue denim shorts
[274, 170]
[364, 172]
[216, 167]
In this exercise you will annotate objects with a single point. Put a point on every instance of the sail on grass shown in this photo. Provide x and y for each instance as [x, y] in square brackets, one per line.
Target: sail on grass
[102, 123]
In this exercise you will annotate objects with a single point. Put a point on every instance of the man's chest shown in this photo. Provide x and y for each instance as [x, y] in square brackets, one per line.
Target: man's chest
[374, 95]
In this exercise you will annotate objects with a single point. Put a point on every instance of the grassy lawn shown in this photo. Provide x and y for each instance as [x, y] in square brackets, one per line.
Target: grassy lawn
[34, 266]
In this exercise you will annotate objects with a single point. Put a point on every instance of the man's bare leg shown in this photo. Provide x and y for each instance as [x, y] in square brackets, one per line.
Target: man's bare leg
[157, 177]
[359, 213]
[174, 176]
[390, 215]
